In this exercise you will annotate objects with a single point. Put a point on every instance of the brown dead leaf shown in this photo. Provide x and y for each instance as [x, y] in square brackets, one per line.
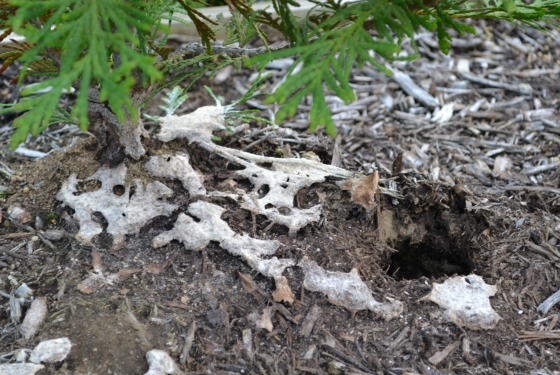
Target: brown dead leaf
[283, 291]
[363, 189]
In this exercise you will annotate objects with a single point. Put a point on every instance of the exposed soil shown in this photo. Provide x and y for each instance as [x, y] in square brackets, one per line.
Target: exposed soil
[458, 215]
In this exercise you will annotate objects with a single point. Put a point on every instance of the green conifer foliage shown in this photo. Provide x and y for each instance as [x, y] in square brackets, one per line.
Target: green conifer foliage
[117, 47]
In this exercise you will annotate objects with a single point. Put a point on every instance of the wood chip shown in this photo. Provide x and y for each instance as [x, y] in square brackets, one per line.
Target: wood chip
[189, 339]
[440, 356]
[309, 321]
[522, 88]
[515, 360]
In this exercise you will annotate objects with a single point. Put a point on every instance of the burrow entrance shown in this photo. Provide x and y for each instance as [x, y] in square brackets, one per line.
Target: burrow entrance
[432, 232]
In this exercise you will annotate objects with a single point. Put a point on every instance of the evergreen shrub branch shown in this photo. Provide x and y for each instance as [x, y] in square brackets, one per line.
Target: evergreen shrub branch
[119, 47]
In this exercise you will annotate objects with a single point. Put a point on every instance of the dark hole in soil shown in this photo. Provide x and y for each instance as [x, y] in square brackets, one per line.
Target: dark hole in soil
[263, 191]
[98, 216]
[433, 234]
[266, 165]
[118, 190]
[234, 167]
[284, 210]
[194, 218]
[434, 257]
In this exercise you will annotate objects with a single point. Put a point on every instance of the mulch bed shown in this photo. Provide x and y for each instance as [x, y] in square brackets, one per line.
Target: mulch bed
[480, 172]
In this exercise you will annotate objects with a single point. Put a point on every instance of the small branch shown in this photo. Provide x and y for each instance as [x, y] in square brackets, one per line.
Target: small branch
[196, 49]
[549, 303]
[408, 86]
[538, 189]
[523, 89]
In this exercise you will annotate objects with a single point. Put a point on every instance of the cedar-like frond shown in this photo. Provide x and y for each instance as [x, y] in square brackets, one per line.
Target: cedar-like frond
[207, 35]
[372, 31]
[116, 45]
[86, 34]
[42, 66]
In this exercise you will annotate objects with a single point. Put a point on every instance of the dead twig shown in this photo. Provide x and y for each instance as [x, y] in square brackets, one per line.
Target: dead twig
[545, 335]
[539, 189]
[335, 353]
[189, 339]
[541, 168]
[549, 303]
[549, 252]
[412, 89]
[523, 88]
[440, 356]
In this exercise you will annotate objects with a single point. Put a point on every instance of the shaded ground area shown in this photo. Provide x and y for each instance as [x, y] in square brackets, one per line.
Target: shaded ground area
[480, 194]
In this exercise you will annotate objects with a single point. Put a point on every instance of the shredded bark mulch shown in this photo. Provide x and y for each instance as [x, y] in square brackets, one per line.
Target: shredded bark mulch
[471, 143]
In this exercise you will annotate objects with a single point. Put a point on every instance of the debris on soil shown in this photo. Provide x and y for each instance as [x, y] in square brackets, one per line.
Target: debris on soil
[19, 215]
[127, 208]
[34, 318]
[346, 290]
[275, 181]
[474, 191]
[20, 368]
[178, 167]
[363, 189]
[51, 351]
[549, 303]
[466, 300]
[208, 226]
[97, 279]
[48, 351]
[161, 363]
[262, 321]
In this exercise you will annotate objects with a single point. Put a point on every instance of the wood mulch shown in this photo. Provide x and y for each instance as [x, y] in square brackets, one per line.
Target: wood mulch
[474, 137]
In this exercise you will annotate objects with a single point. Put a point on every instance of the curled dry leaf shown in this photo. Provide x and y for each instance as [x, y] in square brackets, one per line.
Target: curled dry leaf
[363, 189]
[283, 293]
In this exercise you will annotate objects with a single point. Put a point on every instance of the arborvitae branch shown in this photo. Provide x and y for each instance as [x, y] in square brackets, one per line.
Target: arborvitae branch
[114, 45]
